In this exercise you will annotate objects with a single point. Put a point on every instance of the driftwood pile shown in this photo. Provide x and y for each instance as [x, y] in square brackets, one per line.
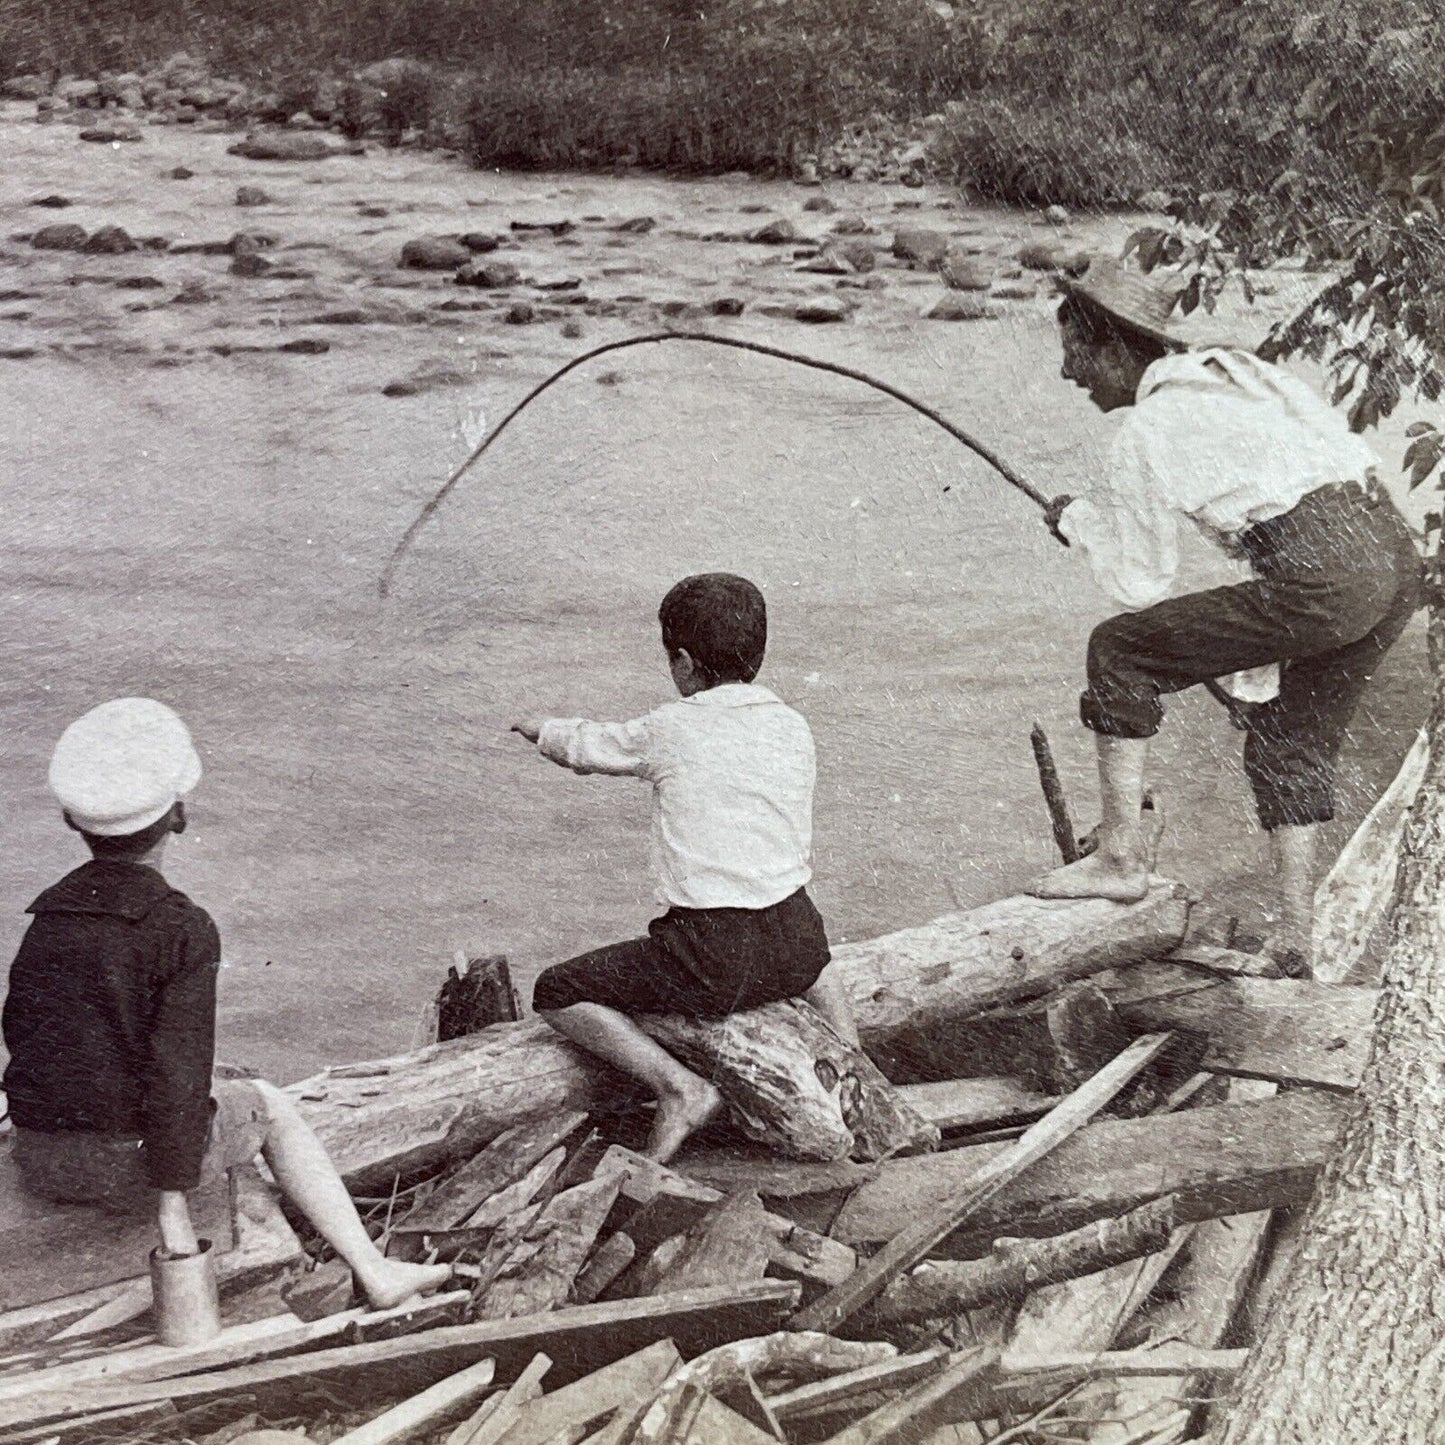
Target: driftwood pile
[1051, 1202]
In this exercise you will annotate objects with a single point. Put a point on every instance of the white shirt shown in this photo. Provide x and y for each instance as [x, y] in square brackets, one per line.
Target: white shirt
[732, 771]
[1224, 439]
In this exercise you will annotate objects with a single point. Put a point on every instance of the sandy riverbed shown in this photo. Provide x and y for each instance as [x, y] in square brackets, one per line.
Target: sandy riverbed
[209, 529]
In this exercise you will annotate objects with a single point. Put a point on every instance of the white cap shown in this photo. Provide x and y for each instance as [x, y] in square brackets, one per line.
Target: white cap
[123, 766]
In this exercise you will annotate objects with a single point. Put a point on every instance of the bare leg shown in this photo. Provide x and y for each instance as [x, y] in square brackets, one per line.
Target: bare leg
[685, 1101]
[309, 1179]
[1119, 867]
[1293, 852]
[830, 998]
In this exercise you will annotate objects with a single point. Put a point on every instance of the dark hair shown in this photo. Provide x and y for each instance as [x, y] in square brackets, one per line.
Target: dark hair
[133, 845]
[1101, 328]
[722, 623]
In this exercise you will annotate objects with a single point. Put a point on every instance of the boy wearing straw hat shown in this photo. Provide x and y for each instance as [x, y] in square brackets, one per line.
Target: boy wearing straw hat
[1271, 473]
[111, 1014]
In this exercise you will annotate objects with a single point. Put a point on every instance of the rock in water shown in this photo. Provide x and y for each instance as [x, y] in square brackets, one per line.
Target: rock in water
[858, 254]
[480, 242]
[251, 196]
[53, 202]
[110, 241]
[963, 272]
[65, 237]
[433, 253]
[108, 135]
[821, 309]
[775, 233]
[959, 306]
[284, 146]
[488, 274]
[923, 247]
[727, 306]
[1053, 256]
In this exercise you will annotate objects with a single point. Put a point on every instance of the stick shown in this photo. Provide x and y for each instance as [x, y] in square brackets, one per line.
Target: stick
[423, 1410]
[1063, 824]
[907, 1248]
[957, 433]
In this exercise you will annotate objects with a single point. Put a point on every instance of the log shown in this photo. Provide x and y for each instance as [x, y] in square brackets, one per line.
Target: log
[425, 1411]
[1282, 1030]
[626, 1384]
[1221, 1160]
[908, 1247]
[1161, 1360]
[476, 994]
[508, 1158]
[1227, 961]
[793, 1252]
[943, 1289]
[538, 1275]
[791, 1084]
[580, 1339]
[1353, 896]
[418, 1110]
[729, 1245]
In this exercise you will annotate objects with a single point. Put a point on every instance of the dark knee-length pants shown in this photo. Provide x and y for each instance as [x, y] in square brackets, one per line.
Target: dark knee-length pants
[1337, 579]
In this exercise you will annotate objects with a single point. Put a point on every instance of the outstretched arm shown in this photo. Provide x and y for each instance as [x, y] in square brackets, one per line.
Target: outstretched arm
[622, 749]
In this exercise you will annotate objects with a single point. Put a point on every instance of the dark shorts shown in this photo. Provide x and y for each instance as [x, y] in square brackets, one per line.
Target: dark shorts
[74, 1166]
[1337, 579]
[698, 962]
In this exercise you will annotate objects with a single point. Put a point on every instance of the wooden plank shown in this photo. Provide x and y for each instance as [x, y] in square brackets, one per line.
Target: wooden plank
[534, 1187]
[958, 1392]
[1353, 896]
[889, 1375]
[424, 1411]
[1228, 962]
[1221, 1160]
[582, 1338]
[634, 1379]
[500, 1421]
[423, 1108]
[954, 1104]
[728, 1246]
[505, 1160]
[1284, 1030]
[1163, 1360]
[909, 1246]
[793, 1252]
[716, 1424]
[944, 1289]
[476, 993]
[539, 1272]
[611, 1258]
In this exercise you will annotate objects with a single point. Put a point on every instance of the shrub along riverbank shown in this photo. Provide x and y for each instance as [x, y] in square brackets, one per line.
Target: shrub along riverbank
[1020, 101]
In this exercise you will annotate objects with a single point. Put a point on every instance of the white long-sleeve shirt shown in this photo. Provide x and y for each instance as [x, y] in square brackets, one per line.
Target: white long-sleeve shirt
[732, 771]
[1219, 437]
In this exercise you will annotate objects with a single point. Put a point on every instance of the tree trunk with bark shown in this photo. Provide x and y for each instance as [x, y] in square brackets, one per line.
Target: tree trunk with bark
[1352, 1349]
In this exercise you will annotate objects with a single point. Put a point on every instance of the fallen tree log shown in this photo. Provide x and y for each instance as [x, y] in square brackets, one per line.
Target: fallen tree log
[414, 1111]
[1282, 1030]
[942, 1289]
[1221, 1160]
[790, 1083]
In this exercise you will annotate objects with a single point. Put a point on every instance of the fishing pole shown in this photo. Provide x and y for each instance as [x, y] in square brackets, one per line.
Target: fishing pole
[957, 432]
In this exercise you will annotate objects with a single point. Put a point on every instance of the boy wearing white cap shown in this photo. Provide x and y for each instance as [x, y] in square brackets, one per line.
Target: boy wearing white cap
[111, 1014]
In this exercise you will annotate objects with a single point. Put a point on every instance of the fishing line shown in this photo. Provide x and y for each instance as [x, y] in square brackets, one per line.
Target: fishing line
[956, 432]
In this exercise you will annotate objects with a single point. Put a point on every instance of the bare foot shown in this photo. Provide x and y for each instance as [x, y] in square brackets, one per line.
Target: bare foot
[1100, 875]
[679, 1115]
[394, 1282]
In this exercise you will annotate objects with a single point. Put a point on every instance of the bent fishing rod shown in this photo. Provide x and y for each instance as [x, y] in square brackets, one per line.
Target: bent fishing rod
[834, 368]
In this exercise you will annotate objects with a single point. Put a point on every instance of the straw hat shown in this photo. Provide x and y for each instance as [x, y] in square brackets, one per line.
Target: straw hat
[1141, 302]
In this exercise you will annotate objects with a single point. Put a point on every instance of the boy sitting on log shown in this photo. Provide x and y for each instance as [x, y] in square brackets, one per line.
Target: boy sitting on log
[111, 1017]
[732, 772]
